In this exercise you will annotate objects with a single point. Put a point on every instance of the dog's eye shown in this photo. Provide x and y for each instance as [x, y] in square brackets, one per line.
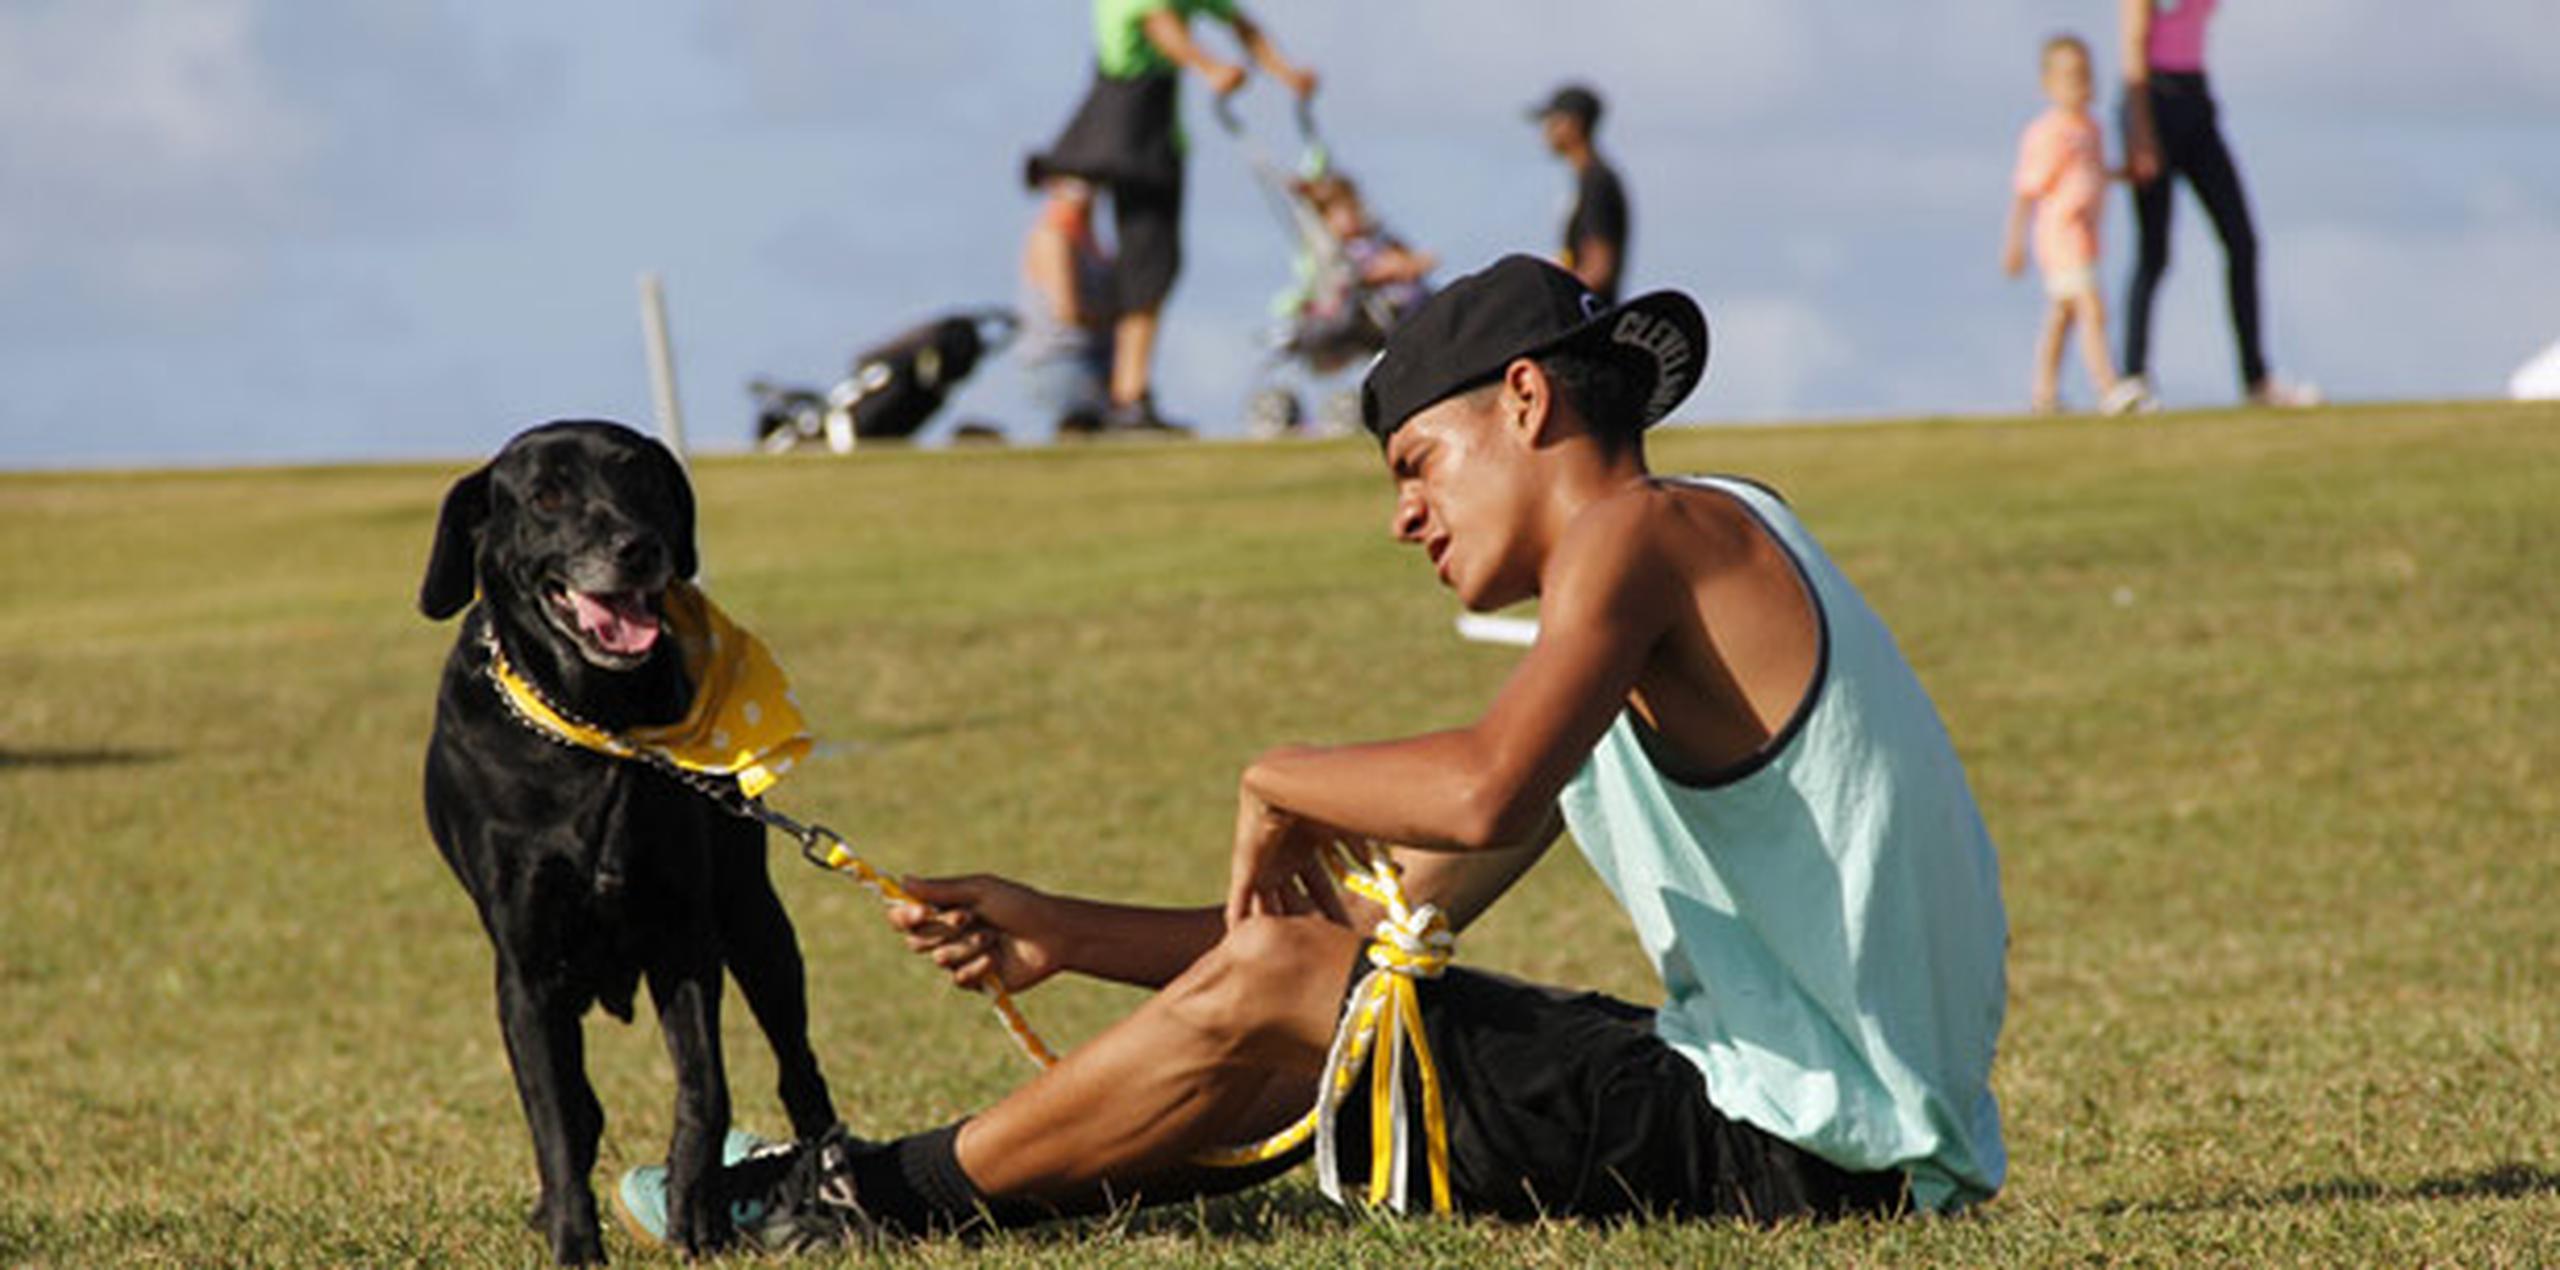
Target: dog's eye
[549, 497]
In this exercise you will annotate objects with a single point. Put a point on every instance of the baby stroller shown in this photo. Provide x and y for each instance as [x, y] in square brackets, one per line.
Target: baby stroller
[1338, 309]
[891, 392]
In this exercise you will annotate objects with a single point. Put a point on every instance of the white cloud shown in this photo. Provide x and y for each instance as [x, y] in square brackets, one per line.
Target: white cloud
[2387, 314]
[1477, 65]
[1771, 353]
[2480, 61]
[189, 150]
[172, 89]
[140, 120]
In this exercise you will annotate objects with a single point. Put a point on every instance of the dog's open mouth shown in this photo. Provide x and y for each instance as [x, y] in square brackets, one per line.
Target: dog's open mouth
[614, 629]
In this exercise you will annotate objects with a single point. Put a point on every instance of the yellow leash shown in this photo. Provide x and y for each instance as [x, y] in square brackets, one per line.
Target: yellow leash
[744, 732]
[1381, 1020]
[840, 858]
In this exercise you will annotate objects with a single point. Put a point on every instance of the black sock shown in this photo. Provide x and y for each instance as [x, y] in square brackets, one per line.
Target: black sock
[916, 1185]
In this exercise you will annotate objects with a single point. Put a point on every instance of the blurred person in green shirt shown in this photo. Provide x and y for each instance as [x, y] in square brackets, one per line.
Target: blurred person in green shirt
[1126, 138]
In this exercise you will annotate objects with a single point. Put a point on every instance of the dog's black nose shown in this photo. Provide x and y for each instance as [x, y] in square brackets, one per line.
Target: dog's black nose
[640, 553]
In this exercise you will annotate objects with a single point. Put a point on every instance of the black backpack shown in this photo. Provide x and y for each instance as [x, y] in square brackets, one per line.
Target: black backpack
[906, 380]
[893, 390]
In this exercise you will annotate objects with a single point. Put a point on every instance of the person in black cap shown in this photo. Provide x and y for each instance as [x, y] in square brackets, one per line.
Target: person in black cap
[1739, 750]
[1595, 231]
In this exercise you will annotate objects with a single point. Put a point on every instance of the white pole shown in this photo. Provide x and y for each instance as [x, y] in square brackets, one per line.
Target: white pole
[1519, 632]
[662, 362]
[662, 376]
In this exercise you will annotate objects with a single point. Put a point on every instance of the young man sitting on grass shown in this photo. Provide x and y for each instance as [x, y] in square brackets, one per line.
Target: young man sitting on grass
[1739, 749]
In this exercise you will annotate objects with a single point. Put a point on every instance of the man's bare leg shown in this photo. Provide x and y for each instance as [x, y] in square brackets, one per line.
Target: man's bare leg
[1133, 351]
[1226, 1053]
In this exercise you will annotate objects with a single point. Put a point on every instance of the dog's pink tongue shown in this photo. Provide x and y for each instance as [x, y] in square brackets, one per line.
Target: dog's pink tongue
[618, 621]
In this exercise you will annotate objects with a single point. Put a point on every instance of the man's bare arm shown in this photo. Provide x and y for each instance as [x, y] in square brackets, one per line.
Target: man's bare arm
[1465, 884]
[1258, 46]
[984, 929]
[1492, 784]
[1165, 29]
[981, 928]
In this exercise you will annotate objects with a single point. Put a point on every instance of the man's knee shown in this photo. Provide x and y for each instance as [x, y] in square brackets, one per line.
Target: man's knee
[1266, 982]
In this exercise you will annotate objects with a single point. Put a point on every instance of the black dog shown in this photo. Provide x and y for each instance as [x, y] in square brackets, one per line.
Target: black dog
[593, 872]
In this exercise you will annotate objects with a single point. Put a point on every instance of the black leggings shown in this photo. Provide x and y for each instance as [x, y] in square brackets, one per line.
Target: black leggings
[2182, 116]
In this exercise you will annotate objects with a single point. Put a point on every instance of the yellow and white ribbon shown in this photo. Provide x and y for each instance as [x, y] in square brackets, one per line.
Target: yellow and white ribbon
[1382, 1022]
[1381, 1026]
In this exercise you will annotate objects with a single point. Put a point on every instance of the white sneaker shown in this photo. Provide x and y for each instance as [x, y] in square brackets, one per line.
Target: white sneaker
[2130, 396]
[2281, 395]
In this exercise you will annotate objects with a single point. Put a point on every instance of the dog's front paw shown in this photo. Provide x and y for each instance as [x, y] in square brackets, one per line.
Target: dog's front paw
[696, 1228]
[575, 1237]
[584, 1248]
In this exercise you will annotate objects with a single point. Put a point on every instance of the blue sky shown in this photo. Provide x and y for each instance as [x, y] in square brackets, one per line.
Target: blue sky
[287, 230]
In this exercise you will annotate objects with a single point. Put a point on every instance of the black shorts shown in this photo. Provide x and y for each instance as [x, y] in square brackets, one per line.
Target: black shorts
[1565, 1104]
[1148, 222]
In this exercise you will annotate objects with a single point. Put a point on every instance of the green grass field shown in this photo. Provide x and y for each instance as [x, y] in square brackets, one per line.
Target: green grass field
[2261, 709]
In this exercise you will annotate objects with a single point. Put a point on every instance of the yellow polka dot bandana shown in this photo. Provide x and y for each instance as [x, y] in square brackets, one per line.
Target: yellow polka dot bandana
[744, 721]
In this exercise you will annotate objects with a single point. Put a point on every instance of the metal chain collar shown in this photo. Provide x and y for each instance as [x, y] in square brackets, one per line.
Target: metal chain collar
[720, 790]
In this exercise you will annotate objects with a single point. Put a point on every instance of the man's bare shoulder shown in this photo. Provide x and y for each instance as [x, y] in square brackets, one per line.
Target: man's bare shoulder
[1644, 547]
[1675, 523]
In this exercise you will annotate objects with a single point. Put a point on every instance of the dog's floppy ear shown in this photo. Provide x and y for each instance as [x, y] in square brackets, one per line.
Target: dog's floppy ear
[679, 488]
[452, 573]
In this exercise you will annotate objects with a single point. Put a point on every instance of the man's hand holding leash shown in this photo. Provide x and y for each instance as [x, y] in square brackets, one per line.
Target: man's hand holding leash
[984, 929]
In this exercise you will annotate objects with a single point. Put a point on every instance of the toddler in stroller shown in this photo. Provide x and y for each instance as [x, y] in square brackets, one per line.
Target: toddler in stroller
[1356, 280]
[1353, 300]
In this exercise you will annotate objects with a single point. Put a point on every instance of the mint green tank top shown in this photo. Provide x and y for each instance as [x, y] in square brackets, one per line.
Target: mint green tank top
[1826, 918]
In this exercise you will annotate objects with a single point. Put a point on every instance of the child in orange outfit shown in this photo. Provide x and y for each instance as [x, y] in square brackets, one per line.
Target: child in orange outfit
[2062, 181]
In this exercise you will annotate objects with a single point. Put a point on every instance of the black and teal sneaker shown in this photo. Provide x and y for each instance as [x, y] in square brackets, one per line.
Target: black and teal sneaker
[783, 1196]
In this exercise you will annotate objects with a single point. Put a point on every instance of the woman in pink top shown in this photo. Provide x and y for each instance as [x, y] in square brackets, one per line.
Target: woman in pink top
[2171, 130]
[2062, 184]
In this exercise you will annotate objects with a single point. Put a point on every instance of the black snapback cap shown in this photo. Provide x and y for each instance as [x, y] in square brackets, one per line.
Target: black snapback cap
[1521, 306]
[1576, 100]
